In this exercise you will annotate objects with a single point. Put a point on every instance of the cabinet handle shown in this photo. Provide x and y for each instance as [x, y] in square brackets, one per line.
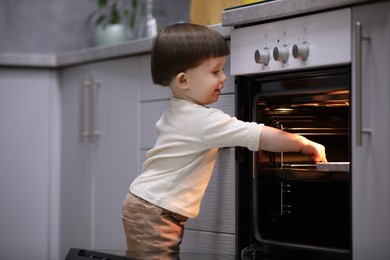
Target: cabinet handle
[84, 83]
[93, 132]
[358, 81]
[90, 84]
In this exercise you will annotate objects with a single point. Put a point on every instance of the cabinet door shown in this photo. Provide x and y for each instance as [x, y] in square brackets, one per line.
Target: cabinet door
[76, 166]
[96, 172]
[27, 158]
[115, 159]
[370, 161]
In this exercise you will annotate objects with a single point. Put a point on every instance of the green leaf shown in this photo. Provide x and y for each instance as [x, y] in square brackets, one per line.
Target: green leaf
[102, 3]
[134, 4]
[100, 19]
[114, 17]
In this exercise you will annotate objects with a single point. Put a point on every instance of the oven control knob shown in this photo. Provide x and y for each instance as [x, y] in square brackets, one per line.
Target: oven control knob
[262, 56]
[281, 53]
[301, 51]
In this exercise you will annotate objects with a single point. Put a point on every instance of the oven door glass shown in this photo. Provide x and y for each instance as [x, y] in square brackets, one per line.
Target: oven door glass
[296, 202]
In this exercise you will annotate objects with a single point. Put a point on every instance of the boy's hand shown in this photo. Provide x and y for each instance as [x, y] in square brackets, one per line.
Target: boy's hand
[315, 151]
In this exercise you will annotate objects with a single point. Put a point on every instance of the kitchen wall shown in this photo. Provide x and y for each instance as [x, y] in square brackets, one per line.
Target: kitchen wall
[55, 26]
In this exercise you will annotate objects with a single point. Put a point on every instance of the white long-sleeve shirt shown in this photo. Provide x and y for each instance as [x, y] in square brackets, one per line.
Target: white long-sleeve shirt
[178, 169]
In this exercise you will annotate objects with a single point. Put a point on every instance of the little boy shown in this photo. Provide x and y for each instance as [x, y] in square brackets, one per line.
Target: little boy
[190, 59]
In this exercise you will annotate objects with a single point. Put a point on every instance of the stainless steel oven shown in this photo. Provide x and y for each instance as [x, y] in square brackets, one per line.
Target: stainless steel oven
[295, 75]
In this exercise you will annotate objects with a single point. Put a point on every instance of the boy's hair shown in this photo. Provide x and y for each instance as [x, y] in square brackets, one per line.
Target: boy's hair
[184, 46]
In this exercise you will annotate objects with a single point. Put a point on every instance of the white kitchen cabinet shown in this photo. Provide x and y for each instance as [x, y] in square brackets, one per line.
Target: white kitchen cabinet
[370, 161]
[76, 184]
[76, 166]
[96, 173]
[29, 163]
[117, 148]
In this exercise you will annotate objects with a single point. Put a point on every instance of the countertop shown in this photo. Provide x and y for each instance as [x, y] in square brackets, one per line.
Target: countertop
[40, 60]
[277, 9]
[61, 60]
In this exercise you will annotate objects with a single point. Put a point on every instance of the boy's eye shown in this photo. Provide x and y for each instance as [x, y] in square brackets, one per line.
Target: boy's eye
[217, 71]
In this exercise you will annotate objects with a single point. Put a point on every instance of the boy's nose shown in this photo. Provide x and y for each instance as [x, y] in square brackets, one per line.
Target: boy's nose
[224, 77]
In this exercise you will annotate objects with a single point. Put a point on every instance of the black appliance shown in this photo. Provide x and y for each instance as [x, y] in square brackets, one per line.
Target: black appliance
[284, 199]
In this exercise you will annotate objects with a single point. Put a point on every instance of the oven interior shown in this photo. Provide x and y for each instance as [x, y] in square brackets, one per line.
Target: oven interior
[296, 203]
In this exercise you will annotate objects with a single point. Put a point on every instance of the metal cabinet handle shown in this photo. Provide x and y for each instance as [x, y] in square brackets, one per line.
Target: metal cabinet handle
[93, 133]
[90, 84]
[84, 83]
[358, 81]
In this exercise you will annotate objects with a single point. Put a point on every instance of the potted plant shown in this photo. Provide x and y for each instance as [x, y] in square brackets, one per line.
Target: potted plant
[114, 21]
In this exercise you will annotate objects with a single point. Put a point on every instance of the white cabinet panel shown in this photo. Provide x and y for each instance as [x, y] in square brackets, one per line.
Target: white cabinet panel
[217, 212]
[97, 174]
[208, 242]
[370, 162]
[28, 157]
[76, 166]
[117, 148]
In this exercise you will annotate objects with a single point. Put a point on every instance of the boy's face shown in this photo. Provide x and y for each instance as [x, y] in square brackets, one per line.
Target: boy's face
[205, 82]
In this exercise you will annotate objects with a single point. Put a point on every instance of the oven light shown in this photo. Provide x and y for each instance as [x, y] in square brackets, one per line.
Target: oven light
[284, 109]
[307, 105]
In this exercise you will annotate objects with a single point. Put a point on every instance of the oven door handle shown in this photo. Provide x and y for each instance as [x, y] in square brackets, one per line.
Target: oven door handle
[358, 81]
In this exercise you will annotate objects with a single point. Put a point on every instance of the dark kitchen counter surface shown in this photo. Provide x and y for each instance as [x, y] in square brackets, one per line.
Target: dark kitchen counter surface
[71, 58]
[59, 60]
[277, 9]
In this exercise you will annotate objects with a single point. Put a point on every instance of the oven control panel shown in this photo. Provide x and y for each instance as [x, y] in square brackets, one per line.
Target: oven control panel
[303, 42]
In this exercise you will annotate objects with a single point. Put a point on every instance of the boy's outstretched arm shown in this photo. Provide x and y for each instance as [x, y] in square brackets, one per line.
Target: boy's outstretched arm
[275, 140]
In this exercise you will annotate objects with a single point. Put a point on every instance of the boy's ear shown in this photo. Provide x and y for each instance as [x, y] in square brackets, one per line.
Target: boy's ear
[181, 80]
